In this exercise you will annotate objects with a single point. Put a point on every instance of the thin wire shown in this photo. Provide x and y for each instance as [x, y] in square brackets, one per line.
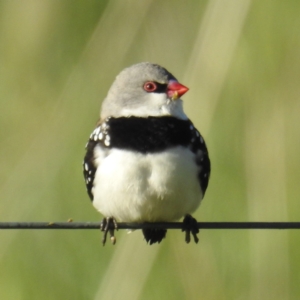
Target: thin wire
[160, 225]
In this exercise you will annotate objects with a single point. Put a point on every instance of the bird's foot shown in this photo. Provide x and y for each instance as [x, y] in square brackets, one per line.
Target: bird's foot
[109, 224]
[189, 226]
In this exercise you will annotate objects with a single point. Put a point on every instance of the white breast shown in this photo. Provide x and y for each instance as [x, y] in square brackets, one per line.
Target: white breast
[135, 187]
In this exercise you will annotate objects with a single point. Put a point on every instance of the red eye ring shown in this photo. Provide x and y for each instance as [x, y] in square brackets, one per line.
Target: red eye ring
[150, 86]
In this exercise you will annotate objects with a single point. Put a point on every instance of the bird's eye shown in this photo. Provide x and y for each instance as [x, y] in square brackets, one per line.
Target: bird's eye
[150, 86]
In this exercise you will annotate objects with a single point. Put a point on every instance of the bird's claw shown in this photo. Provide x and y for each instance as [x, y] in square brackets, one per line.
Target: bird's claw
[109, 224]
[189, 226]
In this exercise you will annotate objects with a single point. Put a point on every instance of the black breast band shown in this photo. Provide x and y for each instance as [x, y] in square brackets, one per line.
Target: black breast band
[152, 134]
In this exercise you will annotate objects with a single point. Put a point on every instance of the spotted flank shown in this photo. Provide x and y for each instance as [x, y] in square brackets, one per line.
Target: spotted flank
[198, 146]
[98, 137]
[100, 134]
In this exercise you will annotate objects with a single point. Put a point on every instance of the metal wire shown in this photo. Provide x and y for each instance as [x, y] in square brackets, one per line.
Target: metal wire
[160, 225]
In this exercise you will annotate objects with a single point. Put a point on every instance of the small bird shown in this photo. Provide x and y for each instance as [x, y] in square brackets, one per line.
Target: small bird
[146, 162]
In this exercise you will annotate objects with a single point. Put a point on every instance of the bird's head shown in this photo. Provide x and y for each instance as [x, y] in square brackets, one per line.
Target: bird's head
[144, 90]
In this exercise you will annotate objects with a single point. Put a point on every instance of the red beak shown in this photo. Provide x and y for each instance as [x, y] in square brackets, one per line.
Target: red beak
[176, 90]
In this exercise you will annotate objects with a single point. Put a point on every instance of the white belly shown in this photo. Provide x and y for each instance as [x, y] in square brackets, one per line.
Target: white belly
[135, 187]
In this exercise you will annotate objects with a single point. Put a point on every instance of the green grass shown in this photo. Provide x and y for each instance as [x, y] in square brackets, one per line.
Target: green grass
[240, 60]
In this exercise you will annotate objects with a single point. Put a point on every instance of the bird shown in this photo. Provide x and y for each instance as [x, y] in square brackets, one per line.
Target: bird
[145, 161]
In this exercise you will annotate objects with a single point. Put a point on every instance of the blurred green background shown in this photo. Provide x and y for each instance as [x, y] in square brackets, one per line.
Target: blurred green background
[241, 61]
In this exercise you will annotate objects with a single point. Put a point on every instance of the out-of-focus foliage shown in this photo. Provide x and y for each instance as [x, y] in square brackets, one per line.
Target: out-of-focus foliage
[240, 59]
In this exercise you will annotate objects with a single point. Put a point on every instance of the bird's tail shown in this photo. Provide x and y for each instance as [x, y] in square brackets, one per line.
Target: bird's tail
[154, 235]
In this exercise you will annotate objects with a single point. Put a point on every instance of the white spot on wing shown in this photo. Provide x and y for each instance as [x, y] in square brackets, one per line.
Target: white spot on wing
[107, 141]
[97, 130]
[199, 152]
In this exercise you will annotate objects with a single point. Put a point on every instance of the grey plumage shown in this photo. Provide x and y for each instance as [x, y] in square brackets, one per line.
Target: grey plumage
[127, 89]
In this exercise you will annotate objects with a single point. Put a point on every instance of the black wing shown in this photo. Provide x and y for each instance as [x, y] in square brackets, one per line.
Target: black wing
[198, 146]
[99, 137]
[89, 168]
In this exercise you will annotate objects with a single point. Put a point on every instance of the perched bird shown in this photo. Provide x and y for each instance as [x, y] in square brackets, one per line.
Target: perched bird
[145, 161]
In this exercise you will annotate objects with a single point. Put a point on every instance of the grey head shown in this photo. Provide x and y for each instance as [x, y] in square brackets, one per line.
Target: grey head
[142, 90]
